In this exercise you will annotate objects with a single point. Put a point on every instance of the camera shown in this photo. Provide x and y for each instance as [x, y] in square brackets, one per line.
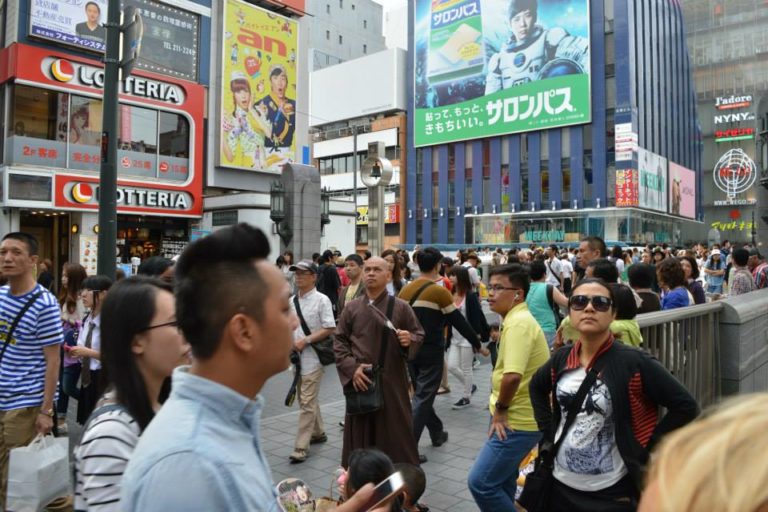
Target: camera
[368, 372]
[295, 358]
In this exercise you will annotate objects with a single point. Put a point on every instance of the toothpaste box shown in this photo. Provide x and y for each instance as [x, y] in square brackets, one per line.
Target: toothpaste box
[455, 40]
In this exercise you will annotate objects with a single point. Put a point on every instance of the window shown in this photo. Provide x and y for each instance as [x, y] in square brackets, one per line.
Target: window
[365, 23]
[328, 35]
[328, 8]
[341, 39]
[353, 7]
[341, 4]
[365, 48]
[61, 130]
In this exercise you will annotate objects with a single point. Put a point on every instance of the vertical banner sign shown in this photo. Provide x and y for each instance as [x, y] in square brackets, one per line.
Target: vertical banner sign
[682, 191]
[258, 92]
[626, 187]
[653, 180]
[493, 67]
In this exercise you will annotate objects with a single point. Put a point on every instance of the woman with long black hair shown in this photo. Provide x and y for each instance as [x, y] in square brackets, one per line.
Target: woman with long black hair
[462, 351]
[88, 348]
[141, 345]
[601, 453]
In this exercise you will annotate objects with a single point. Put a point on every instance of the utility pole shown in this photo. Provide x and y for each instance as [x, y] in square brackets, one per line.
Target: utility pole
[108, 172]
[117, 59]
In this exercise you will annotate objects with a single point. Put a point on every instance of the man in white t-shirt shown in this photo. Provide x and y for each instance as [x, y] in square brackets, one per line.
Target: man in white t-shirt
[567, 268]
[554, 268]
[317, 313]
[473, 261]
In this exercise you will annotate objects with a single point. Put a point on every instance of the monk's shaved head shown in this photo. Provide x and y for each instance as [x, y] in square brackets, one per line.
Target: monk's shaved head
[376, 275]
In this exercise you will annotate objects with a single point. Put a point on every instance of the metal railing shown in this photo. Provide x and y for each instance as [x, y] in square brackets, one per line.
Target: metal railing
[687, 342]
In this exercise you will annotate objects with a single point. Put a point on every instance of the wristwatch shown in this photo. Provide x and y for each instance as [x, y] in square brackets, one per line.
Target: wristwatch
[501, 407]
[49, 412]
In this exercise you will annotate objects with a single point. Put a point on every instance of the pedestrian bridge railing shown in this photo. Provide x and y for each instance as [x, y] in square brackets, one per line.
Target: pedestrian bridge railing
[687, 342]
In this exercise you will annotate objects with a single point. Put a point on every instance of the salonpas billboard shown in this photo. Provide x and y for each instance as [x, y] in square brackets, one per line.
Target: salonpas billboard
[493, 67]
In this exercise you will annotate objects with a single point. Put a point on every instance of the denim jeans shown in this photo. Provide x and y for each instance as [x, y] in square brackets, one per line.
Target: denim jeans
[493, 477]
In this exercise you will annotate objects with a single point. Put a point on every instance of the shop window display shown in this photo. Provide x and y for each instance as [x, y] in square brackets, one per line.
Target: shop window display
[53, 129]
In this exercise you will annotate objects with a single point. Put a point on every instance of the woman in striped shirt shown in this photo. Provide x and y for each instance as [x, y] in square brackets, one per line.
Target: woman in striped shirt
[600, 461]
[140, 347]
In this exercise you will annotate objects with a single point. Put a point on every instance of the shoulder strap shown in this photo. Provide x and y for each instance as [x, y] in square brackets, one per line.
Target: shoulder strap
[385, 330]
[304, 326]
[418, 293]
[575, 407]
[18, 318]
[550, 298]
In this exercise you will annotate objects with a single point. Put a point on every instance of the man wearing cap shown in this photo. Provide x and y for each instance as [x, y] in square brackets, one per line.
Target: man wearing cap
[318, 323]
[281, 110]
[759, 269]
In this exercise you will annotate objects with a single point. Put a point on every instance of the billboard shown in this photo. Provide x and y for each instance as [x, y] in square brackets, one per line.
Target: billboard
[652, 170]
[258, 91]
[626, 187]
[682, 191]
[483, 68]
[169, 45]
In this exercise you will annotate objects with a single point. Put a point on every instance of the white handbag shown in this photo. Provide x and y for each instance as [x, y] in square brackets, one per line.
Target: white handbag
[38, 473]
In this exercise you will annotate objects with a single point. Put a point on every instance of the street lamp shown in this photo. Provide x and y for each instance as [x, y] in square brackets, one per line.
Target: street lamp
[376, 170]
[277, 212]
[754, 230]
[325, 208]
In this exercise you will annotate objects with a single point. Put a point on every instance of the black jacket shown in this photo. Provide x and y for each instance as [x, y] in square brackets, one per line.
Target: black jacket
[638, 384]
[476, 318]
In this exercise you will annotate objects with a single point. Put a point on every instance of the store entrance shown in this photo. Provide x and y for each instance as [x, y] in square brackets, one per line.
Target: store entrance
[52, 232]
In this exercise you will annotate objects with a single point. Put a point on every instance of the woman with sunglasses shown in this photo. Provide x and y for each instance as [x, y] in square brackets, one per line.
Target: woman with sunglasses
[141, 345]
[600, 461]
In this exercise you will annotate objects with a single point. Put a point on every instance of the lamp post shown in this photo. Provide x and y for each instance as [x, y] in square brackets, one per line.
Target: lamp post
[754, 230]
[277, 212]
[376, 175]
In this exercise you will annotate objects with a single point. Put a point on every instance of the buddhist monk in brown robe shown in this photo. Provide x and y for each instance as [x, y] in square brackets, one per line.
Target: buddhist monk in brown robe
[357, 344]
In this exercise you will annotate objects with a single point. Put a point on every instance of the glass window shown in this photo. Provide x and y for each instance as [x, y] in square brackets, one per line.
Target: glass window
[37, 128]
[328, 8]
[174, 147]
[341, 39]
[137, 142]
[341, 4]
[328, 34]
[365, 48]
[85, 122]
[29, 188]
[365, 23]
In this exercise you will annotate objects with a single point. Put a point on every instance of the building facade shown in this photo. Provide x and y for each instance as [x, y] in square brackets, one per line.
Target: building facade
[729, 46]
[51, 84]
[582, 123]
[344, 124]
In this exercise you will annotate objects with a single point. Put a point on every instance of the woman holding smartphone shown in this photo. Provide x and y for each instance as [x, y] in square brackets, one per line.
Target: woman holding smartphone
[141, 345]
[88, 348]
[600, 461]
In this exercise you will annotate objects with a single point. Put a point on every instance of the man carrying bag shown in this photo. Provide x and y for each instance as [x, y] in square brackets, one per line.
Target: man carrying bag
[31, 335]
[311, 340]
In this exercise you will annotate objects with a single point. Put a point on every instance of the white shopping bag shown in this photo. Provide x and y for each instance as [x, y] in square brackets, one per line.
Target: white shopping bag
[38, 473]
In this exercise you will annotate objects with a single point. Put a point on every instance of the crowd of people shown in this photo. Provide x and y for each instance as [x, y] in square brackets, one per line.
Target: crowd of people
[167, 385]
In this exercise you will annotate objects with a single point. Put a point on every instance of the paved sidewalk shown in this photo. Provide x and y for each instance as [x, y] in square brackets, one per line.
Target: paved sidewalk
[446, 470]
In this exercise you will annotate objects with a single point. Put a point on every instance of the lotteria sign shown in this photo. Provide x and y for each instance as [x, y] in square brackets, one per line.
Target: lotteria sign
[81, 193]
[75, 73]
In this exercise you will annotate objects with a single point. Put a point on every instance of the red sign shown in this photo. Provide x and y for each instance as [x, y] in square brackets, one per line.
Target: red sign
[627, 187]
[734, 132]
[48, 68]
[82, 193]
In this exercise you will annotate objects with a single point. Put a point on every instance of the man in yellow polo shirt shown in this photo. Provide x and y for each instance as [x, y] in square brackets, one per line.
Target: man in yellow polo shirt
[513, 432]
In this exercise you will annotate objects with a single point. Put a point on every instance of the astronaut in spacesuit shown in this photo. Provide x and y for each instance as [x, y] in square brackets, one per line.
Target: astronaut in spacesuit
[534, 52]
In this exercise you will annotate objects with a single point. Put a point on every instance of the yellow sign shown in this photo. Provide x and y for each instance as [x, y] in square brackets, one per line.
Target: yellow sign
[258, 91]
[362, 215]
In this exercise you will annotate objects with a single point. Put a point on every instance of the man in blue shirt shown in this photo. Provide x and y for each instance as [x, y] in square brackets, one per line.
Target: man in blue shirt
[202, 450]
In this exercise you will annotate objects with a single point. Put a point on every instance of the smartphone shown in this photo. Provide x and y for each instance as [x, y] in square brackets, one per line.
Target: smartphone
[67, 348]
[385, 490]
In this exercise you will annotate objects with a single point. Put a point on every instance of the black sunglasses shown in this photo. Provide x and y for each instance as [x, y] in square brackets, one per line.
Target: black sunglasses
[599, 302]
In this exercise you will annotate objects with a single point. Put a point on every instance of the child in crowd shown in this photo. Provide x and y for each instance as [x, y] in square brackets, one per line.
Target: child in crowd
[415, 485]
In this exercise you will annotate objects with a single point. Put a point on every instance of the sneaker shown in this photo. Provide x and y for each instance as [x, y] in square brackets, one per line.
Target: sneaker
[62, 430]
[441, 439]
[341, 424]
[474, 389]
[322, 438]
[464, 402]
[298, 456]
[422, 458]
